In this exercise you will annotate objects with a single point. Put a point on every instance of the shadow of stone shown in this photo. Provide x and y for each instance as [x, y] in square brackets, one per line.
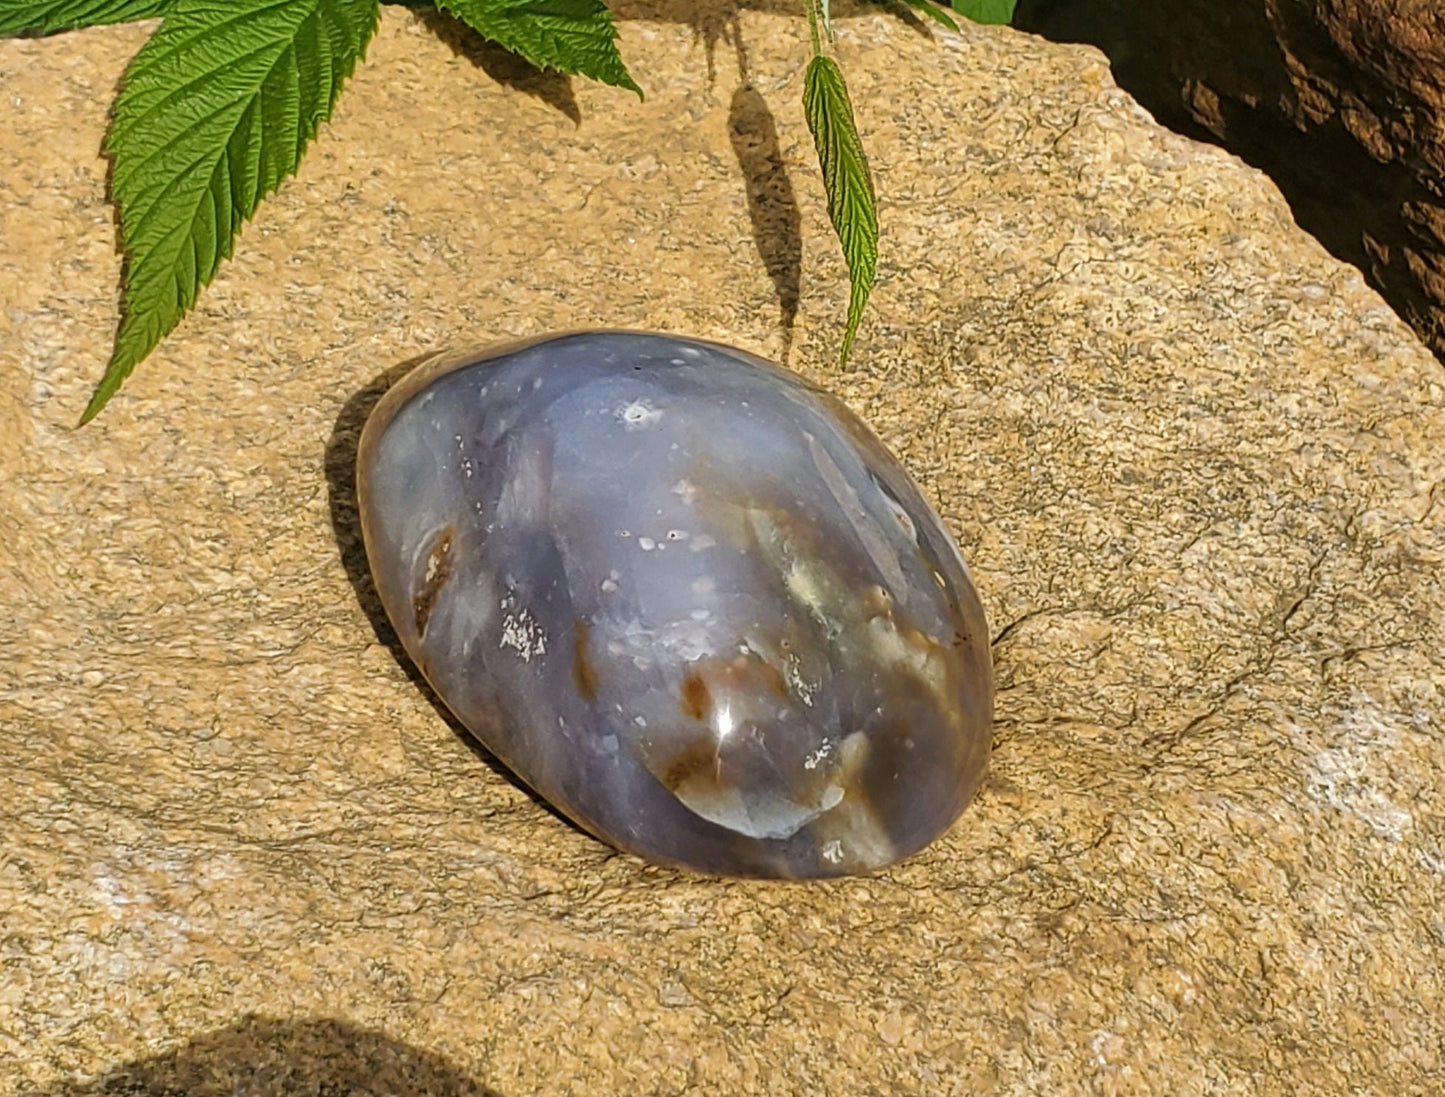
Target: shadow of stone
[777, 223]
[340, 466]
[261, 1057]
[345, 513]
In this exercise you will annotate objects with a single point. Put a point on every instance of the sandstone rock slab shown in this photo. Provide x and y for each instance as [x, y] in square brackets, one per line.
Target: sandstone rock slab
[1193, 460]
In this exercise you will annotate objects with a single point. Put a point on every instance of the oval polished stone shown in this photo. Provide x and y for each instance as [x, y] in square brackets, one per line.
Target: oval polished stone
[689, 599]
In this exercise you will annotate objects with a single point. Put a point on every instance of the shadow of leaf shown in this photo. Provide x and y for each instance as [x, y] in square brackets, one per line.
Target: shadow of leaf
[777, 222]
[502, 65]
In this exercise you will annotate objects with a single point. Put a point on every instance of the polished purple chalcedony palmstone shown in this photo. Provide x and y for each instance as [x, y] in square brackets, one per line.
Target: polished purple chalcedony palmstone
[689, 599]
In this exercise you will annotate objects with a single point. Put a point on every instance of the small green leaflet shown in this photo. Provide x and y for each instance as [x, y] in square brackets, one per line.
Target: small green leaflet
[49, 16]
[218, 107]
[214, 112]
[851, 204]
[986, 11]
[572, 36]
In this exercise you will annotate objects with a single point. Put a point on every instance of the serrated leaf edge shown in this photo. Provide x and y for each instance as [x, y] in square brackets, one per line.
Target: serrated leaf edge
[125, 357]
[614, 73]
[852, 203]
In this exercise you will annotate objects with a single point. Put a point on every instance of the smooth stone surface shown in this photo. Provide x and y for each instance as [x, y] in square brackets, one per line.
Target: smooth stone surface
[689, 599]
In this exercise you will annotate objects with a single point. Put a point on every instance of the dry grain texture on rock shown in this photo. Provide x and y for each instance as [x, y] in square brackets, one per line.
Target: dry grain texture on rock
[1341, 101]
[1193, 459]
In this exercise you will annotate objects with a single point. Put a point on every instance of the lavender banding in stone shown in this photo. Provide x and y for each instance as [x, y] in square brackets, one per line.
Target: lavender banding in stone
[689, 599]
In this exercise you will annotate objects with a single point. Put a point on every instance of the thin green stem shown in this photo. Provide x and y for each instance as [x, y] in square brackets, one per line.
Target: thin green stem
[814, 8]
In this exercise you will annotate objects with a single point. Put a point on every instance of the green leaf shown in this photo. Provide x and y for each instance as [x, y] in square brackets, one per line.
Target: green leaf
[214, 112]
[851, 204]
[571, 36]
[49, 16]
[932, 11]
[986, 11]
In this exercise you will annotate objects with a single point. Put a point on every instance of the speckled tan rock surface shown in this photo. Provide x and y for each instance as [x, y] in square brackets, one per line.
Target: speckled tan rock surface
[1195, 464]
[1342, 102]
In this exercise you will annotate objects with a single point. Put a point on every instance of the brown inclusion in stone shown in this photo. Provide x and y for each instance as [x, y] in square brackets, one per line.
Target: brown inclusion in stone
[438, 571]
[584, 674]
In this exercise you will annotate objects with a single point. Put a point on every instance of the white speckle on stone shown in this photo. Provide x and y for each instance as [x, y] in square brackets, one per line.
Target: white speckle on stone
[114, 894]
[639, 413]
[521, 632]
[832, 797]
[609, 585]
[677, 535]
[640, 721]
[702, 542]
[686, 490]
[1352, 775]
[700, 614]
[646, 544]
[824, 749]
[833, 852]
[801, 687]
[1106, 1046]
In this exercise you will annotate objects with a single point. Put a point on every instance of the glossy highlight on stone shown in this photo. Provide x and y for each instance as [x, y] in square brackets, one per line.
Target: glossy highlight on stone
[689, 599]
